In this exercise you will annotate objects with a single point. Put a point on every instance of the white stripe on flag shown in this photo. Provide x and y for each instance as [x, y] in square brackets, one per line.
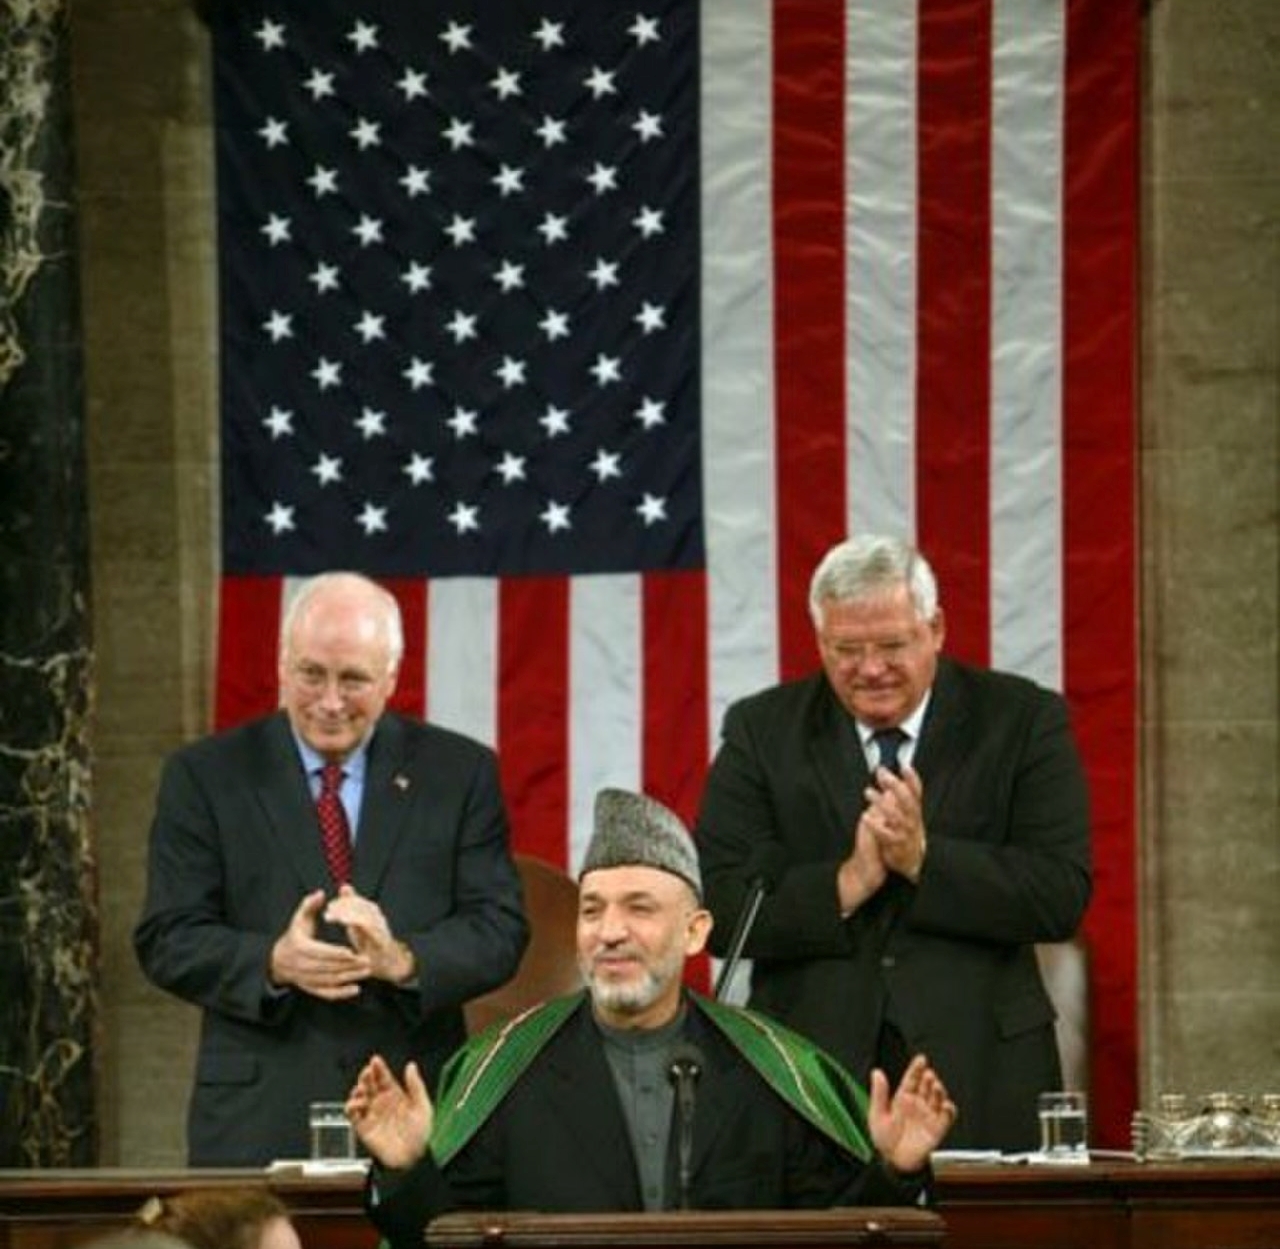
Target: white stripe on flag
[880, 301]
[606, 711]
[462, 656]
[737, 353]
[1026, 340]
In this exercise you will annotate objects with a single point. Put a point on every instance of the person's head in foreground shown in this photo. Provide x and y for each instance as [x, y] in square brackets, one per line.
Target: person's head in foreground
[640, 912]
[222, 1218]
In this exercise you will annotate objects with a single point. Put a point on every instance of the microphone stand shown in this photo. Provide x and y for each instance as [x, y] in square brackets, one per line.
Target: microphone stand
[683, 1071]
[757, 887]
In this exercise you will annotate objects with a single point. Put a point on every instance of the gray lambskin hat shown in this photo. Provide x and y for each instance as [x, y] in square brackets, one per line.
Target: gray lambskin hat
[634, 830]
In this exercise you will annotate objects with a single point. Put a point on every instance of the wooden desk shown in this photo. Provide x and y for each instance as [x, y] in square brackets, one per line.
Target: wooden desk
[1112, 1205]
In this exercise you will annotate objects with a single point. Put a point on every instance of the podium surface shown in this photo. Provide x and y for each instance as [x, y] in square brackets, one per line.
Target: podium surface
[686, 1229]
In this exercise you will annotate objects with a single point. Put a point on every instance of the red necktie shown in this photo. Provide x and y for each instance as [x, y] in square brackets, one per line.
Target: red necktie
[335, 832]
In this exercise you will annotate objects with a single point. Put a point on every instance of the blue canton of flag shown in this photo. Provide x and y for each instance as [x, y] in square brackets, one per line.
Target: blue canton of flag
[459, 287]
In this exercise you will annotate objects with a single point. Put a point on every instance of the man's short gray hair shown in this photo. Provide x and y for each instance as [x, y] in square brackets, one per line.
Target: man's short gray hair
[383, 600]
[867, 565]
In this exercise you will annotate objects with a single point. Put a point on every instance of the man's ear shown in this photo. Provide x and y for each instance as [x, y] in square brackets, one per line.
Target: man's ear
[700, 925]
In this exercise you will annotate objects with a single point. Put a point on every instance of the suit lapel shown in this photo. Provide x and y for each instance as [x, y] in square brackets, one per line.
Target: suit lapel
[842, 778]
[577, 1068]
[392, 782]
[281, 788]
[943, 738]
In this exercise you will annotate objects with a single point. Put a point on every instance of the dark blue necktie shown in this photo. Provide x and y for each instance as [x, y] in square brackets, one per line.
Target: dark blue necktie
[888, 743]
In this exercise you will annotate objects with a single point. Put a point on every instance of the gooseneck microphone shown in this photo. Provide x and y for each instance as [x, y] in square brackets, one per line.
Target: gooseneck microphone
[766, 866]
[683, 1069]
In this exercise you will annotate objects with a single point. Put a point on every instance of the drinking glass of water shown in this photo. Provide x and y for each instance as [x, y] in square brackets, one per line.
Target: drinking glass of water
[332, 1138]
[1064, 1127]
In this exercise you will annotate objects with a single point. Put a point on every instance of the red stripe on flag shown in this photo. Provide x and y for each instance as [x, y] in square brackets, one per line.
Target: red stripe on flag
[809, 318]
[248, 636]
[1100, 261]
[411, 689]
[953, 391]
[533, 712]
[675, 714]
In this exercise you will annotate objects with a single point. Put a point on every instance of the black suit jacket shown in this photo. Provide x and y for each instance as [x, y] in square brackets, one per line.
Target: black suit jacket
[951, 961]
[559, 1143]
[234, 847]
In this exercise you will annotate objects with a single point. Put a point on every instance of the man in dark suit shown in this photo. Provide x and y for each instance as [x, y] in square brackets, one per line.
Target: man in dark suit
[905, 900]
[571, 1107]
[307, 957]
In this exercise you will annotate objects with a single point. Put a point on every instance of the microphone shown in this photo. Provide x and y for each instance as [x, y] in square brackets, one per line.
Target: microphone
[765, 866]
[683, 1069]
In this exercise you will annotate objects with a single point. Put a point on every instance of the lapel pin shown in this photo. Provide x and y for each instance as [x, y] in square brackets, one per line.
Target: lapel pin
[400, 781]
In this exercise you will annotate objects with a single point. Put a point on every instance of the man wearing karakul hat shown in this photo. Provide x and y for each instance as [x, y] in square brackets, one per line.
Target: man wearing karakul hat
[569, 1107]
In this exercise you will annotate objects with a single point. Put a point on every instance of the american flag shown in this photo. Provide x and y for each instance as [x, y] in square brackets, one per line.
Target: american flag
[588, 327]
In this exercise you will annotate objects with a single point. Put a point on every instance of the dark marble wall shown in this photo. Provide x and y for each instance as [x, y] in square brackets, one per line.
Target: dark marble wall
[47, 919]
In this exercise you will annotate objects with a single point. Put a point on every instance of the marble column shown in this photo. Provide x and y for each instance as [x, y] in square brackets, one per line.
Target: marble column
[47, 916]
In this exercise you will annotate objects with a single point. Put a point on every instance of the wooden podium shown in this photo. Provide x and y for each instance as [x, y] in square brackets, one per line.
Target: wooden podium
[778, 1229]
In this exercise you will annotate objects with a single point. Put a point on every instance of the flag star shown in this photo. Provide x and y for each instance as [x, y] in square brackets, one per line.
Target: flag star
[412, 83]
[456, 36]
[605, 465]
[270, 34]
[279, 421]
[280, 518]
[363, 36]
[551, 131]
[366, 133]
[549, 34]
[465, 516]
[461, 230]
[417, 277]
[278, 325]
[368, 230]
[328, 468]
[648, 221]
[651, 317]
[606, 369]
[462, 325]
[603, 178]
[371, 423]
[420, 468]
[510, 468]
[652, 509]
[506, 82]
[320, 83]
[644, 30]
[323, 181]
[648, 126]
[510, 372]
[599, 82]
[370, 327]
[554, 229]
[554, 420]
[420, 373]
[555, 516]
[372, 519]
[324, 277]
[603, 273]
[416, 181]
[464, 421]
[327, 373]
[274, 132]
[509, 180]
[458, 133]
[651, 412]
[554, 325]
[509, 276]
[277, 229]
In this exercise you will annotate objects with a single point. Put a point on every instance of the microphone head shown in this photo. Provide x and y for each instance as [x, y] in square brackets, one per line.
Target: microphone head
[685, 1062]
[765, 865]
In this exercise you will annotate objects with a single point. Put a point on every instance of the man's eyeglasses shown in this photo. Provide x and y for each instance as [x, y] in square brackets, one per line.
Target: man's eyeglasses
[315, 679]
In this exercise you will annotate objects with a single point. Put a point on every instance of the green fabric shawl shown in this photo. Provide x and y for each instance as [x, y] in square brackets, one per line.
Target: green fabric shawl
[480, 1075]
